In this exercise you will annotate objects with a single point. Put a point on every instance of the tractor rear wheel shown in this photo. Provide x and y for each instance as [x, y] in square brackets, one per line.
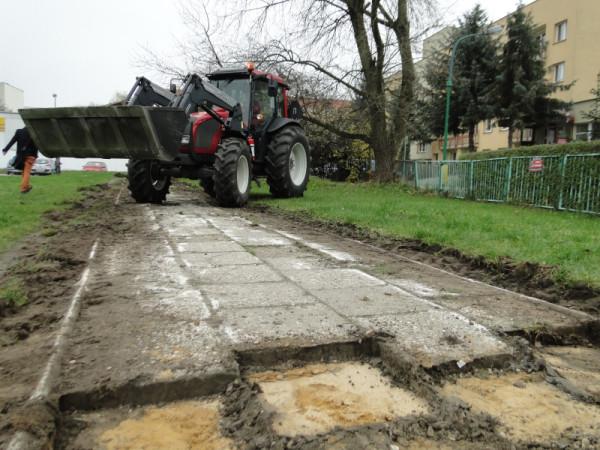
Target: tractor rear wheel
[146, 183]
[208, 185]
[288, 162]
[233, 172]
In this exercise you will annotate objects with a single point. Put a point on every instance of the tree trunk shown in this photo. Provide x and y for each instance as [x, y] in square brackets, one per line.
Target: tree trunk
[384, 164]
[510, 136]
[384, 148]
[472, 138]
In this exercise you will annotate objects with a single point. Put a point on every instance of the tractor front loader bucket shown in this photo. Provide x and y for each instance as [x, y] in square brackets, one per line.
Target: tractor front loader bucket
[136, 132]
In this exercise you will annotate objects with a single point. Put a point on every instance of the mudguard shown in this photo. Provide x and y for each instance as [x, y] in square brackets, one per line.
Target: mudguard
[279, 122]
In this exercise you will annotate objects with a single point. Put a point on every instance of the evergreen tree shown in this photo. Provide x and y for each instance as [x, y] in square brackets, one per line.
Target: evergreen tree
[594, 113]
[475, 71]
[522, 91]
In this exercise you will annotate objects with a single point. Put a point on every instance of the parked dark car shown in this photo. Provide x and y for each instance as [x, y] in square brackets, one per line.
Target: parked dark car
[10, 169]
[95, 166]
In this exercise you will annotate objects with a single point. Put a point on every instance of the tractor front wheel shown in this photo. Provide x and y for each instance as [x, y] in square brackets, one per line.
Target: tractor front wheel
[288, 162]
[233, 172]
[146, 182]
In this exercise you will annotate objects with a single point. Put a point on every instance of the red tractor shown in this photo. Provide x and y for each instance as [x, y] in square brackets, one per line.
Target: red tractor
[224, 132]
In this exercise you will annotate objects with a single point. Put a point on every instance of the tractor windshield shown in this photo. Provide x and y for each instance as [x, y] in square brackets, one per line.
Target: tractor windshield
[239, 89]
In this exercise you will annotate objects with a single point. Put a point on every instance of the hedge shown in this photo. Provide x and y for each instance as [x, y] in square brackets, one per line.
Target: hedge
[572, 148]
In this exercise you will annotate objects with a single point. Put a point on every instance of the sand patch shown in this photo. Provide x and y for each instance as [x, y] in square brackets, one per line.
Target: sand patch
[319, 397]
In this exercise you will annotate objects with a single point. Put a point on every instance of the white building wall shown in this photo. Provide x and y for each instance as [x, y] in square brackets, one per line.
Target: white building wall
[11, 97]
[12, 122]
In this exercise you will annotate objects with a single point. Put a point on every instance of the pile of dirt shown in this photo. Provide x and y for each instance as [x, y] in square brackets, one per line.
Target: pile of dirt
[527, 278]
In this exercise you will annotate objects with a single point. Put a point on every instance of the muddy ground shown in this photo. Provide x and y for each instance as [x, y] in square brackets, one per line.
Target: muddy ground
[294, 391]
[48, 264]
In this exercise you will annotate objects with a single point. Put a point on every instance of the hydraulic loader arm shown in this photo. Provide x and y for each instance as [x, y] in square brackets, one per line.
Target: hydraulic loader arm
[145, 93]
[198, 94]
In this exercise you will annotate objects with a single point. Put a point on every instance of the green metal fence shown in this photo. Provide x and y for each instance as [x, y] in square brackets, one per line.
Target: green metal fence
[569, 182]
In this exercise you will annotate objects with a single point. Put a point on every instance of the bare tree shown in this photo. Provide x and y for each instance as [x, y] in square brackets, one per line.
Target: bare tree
[349, 49]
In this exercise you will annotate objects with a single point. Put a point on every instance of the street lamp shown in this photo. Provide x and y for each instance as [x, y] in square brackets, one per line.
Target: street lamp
[492, 30]
[57, 167]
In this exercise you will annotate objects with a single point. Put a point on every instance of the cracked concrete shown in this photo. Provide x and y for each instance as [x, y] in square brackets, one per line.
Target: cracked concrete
[190, 283]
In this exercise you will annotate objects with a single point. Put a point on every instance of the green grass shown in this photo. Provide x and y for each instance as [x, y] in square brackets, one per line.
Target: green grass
[12, 293]
[20, 214]
[570, 242]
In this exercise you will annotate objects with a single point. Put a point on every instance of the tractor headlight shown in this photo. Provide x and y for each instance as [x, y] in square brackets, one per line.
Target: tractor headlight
[185, 140]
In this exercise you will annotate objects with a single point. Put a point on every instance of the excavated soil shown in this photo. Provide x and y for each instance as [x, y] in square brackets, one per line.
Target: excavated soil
[580, 366]
[320, 397]
[529, 409]
[527, 277]
[176, 426]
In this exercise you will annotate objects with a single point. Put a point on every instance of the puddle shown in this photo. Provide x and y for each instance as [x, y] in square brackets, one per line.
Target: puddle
[177, 426]
[528, 408]
[579, 365]
[319, 397]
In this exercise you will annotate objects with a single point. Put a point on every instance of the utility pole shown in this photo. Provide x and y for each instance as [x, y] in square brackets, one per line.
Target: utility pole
[493, 30]
[57, 161]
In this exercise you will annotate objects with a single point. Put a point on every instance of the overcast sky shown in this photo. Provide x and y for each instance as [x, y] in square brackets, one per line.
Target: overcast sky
[86, 51]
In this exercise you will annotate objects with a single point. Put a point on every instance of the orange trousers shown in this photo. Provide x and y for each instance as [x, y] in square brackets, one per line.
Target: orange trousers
[29, 162]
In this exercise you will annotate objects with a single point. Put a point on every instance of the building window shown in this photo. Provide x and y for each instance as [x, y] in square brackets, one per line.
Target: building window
[583, 131]
[560, 31]
[558, 71]
[422, 147]
[527, 135]
[489, 126]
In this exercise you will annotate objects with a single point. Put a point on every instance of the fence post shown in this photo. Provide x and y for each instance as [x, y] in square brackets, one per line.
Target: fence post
[471, 175]
[416, 176]
[508, 179]
[563, 169]
[414, 163]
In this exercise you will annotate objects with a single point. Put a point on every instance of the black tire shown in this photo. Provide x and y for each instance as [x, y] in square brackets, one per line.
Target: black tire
[283, 180]
[232, 188]
[146, 183]
[208, 184]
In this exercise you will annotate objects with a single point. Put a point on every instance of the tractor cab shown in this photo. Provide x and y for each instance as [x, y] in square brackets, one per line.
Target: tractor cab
[262, 96]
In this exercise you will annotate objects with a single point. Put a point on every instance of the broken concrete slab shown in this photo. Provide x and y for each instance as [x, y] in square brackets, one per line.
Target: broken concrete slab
[436, 336]
[256, 295]
[320, 279]
[506, 312]
[196, 261]
[256, 273]
[269, 253]
[209, 247]
[297, 324]
[370, 301]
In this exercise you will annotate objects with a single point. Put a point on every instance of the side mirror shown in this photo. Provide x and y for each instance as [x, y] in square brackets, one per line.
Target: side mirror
[173, 88]
[272, 88]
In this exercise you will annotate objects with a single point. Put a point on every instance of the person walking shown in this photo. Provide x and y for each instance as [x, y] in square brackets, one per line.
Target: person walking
[27, 153]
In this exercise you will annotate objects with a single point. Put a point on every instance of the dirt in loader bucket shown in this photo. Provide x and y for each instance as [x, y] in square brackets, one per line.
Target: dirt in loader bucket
[136, 132]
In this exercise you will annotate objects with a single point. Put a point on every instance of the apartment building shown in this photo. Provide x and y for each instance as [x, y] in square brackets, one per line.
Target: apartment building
[572, 34]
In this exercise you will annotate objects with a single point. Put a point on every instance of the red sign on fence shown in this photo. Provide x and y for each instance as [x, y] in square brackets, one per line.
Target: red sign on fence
[536, 164]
